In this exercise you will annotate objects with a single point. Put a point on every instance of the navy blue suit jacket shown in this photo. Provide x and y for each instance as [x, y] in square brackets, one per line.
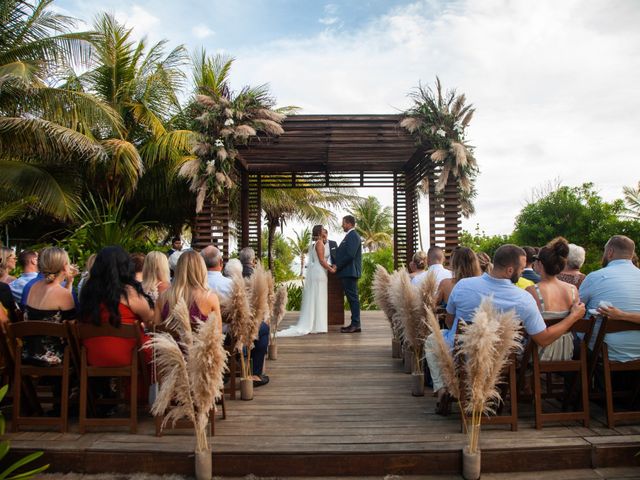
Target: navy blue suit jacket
[333, 248]
[349, 256]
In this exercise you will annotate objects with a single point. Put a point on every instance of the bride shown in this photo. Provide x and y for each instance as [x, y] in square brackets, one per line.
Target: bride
[313, 312]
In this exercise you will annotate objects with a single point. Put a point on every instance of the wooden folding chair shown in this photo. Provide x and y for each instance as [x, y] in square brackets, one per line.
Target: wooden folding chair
[578, 367]
[609, 367]
[184, 423]
[234, 369]
[85, 331]
[23, 373]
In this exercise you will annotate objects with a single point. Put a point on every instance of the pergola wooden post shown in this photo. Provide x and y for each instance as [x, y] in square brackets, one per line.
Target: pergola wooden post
[353, 151]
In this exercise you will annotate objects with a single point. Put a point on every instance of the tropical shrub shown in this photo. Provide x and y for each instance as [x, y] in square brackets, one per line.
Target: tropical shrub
[294, 301]
[370, 261]
[6, 472]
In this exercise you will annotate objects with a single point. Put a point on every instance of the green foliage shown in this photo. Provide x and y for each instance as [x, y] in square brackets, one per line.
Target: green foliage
[294, 301]
[479, 241]
[373, 223]
[370, 261]
[283, 257]
[6, 473]
[103, 224]
[580, 215]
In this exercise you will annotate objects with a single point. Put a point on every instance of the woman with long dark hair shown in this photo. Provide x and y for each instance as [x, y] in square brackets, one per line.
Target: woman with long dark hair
[112, 295]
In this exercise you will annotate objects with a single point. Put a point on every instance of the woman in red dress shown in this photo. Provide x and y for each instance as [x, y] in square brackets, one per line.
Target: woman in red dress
[112, 295]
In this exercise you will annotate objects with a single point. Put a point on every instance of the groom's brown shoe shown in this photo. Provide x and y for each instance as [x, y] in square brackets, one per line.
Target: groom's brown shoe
[350, 329]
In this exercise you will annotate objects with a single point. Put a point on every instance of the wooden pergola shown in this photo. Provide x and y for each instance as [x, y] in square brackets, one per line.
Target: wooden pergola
[353, 151]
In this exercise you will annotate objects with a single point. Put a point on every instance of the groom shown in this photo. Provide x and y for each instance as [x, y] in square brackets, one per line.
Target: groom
[349, 268]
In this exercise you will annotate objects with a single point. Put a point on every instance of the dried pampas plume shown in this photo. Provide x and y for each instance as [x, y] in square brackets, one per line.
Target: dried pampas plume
[206, 364]
[189, 381]
[445, 358]
[259, 294]
[410, 309]
[236, 312]
[179, 321]
[278, 311]
[381, 287]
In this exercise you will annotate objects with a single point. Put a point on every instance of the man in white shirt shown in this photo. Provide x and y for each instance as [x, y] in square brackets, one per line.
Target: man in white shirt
[217, 282]
[435, 259]
[28, 260]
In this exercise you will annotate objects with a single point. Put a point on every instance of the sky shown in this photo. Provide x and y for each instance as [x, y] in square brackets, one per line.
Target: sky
[556, 84]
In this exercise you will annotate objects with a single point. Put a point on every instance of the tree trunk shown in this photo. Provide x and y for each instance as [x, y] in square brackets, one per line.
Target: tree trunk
[301, 264]
[273, 224]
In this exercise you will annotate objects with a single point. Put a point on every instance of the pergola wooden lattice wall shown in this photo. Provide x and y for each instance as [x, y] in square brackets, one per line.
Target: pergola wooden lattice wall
[338, 151]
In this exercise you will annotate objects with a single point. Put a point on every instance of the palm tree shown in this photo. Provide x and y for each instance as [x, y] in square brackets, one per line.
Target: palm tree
[303, 204]
[438, 121]
[300, 246]
[632, 199]
[374, 223]
[46, 133]
[142, 84]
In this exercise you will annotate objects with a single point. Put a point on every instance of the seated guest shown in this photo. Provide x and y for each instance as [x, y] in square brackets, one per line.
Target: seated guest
[49, 301]
[529, 273]
[155, 274]
[485, 262]
[190, 285]
[464, 264]
[85, 274]
[8, 307]
[138, 263]
[28, 261]
[571, 273]
[420, 265]
[468, 294]
[554, 297]
[435, 260]
[176, 246]
[112, 295]
[218, 283]
[7, 264]
[617, 283]
[248, 260]
[233, 267]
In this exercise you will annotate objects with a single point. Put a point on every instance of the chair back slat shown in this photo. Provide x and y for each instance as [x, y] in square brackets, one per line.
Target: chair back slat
[615, 326]
[32, 328]
[126, 330]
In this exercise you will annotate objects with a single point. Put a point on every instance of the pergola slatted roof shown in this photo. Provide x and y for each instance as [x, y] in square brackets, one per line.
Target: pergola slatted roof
[332, 143]
[318, 151]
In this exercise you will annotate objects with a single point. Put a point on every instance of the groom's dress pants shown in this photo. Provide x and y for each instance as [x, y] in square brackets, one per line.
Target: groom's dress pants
[350, 287]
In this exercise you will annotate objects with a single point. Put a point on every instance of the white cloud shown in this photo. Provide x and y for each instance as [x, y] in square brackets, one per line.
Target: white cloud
[143, 23]
[328, 20]
[330, 15]
[202, 31]
[554, 84]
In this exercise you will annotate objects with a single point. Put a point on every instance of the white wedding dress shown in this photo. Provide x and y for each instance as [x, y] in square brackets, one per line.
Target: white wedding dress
[313, 312]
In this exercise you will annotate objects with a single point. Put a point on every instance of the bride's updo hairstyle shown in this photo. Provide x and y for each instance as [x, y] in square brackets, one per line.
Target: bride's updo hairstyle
[316, 233]
[553, 256]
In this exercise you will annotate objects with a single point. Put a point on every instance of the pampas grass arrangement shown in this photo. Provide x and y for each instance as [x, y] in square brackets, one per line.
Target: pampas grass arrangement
[483, 351]
[278, 310]
[410, 312]
[191, 370]
[485, 346]
[381, 288]
[236, 311]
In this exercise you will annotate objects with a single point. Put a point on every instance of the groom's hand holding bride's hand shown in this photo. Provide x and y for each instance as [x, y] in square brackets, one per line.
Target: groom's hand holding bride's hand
[332, 269]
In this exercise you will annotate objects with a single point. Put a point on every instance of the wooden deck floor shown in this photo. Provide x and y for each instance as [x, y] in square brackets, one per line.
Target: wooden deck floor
[339, 404]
